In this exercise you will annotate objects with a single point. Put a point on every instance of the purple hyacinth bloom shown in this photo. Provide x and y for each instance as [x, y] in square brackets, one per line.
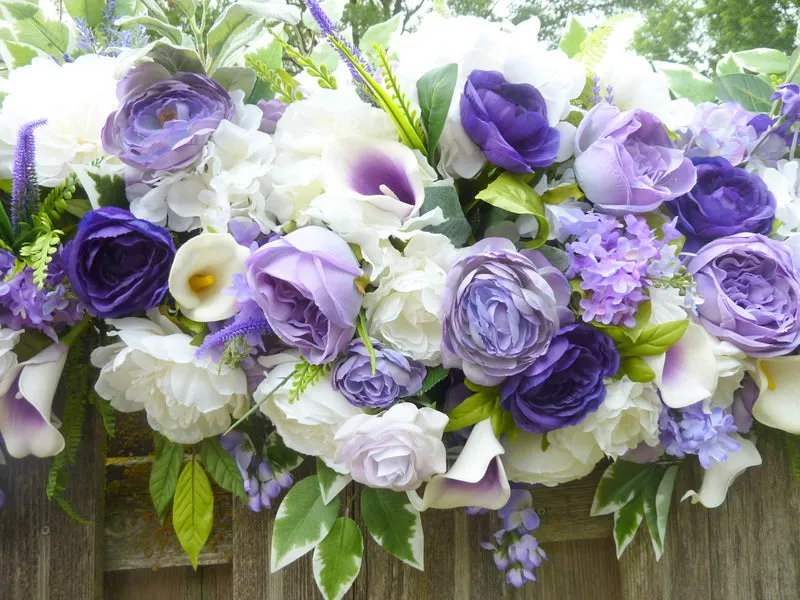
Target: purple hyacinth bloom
[271, 113]
[693, 430]
[164, 120]
[508, 122]
[501, 309]
[625, 161]
[789, 95]
[724, 201]
[565, 384]
[25, 188]
[395, 375]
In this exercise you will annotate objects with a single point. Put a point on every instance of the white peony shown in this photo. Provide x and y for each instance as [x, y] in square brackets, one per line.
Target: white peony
[405, 311]
[304, 132]
[474, 43]
[154, 368]
[308, 423]
[75, 98]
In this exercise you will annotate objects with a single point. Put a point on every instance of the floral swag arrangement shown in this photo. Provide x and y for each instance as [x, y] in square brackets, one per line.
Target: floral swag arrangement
[447, 271]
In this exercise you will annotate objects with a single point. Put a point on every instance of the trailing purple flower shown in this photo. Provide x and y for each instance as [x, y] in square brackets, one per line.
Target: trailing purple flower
[25, 188]
[692, 430]
[262, 483]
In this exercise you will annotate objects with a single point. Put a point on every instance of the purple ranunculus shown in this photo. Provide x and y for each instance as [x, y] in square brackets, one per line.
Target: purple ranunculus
[563, 385]
[750, 288]
[508, 122]
[501, 309]
[724, 201]
[625, 161]
[395, 376]
[305, 284]
[271, 113]
[164, 120]
[118, 264]
[789, 95]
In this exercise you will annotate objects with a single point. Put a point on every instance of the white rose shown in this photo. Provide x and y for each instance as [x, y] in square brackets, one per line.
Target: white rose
[307, 424]
[399, 449]
[154, 367]
[75, 117]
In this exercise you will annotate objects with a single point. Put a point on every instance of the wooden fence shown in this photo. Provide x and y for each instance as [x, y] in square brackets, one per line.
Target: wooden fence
[747, 549]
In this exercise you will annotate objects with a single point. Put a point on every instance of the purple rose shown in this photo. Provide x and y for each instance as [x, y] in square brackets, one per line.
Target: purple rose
[724, 201]
[750, 288]
[508, 122]
[118, 264]
[395, 376]
[501, 309]
[625, 161]
[164, 120]
[789, 95]
[271, 113]
[305, 284]
[565, 384]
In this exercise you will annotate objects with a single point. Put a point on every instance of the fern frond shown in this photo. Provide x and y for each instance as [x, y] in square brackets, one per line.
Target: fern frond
[399, 95]
[595, 46]
[39, 253]
[319, 71]
[106, 412]
[55, 203]
[305, 375]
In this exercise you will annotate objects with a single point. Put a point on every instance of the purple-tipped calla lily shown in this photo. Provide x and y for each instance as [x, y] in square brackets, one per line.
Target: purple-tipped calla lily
[383, 173]
[26, 399]
[477, 478]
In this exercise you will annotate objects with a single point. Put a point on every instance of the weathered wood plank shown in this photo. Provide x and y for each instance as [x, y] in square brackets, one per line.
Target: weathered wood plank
[44, 554]
[176, 583]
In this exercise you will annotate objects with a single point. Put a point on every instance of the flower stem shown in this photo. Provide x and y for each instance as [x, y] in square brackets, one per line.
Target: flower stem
[73, 334]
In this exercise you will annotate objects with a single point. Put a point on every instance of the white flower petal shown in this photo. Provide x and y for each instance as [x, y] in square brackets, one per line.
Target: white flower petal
[778, 403]
[721, 475]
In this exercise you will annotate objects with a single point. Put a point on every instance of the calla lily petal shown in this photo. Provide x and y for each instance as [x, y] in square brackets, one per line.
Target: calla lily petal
[778, 403]
[477, 478]
[25, 409]
[719, 477]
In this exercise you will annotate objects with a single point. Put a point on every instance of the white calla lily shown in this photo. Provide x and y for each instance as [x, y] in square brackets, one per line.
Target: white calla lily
[202, 270]
[778, 403]
[477, 478]
[26, 400]
[719, 477]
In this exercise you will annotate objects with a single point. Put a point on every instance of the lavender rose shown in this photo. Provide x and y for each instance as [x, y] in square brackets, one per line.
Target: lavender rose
[395, 376]
[164, 120]
[625, 161]
[565, 384]
[750, 288]
[508, 122]
[501, 309]
[305, 284]
[724, 201]
[118, 264]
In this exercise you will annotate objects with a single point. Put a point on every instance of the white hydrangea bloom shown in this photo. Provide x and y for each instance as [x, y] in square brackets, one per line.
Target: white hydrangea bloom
[154, 368]
[784, 183]
[75, 98]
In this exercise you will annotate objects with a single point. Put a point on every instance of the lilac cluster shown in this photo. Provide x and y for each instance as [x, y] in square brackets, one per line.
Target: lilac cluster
[112, 40]
[515, 550]
[613, 262]
[262, 484]
[23, 305]
[692, 430]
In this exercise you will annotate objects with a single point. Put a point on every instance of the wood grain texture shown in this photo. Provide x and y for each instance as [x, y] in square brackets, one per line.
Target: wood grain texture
[176, 583]
[44, 554]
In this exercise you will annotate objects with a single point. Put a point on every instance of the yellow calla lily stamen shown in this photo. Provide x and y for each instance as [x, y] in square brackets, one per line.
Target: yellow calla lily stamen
[200, 282]
[770, 380]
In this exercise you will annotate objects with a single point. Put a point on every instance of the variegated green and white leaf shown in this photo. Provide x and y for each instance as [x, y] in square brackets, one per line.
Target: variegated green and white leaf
[626, 522]
[619, 485]
[657, 500]
[193, 510]
[330, 482]
[302, 522]
[337, 559]
[395, 524]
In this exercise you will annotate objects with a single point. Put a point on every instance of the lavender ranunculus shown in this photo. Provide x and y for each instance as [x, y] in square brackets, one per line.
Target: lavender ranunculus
[305, 284]
[724, 201]
[164, 120]
[789, 95]
[271, 113]
[395, 376]
[508, 122]
[118, 264]
[750, 288]
[501, 309]
[565, 384]
[625, 161]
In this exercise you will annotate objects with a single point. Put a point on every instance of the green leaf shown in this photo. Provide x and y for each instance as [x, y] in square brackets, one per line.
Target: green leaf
[636, 369]
[620, 483]
[433, 376]
[473, 410]
[380, 34]
[574, 34]
[173, 34]
[685, 82]
[222, 467]
[510, 193]
[556, 257]
[626, 522]
[762, 60]
[456, 227]
[193, 510]
[188, 7]
[394, 524]
[793, 70]
[657, 497]
[154, 10]
[330, 482]
[110, 190]
[557, 195]
[90, 11]
[727, 65]
[363, 334]
[654, 340]
[337, 559]
[234, 29]
[435, 91]
[750, 91]
[6, 231]
[164, 473]
[51, 37]
[235, 78]
[20, 54]
[302, 522]
[176, 58]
